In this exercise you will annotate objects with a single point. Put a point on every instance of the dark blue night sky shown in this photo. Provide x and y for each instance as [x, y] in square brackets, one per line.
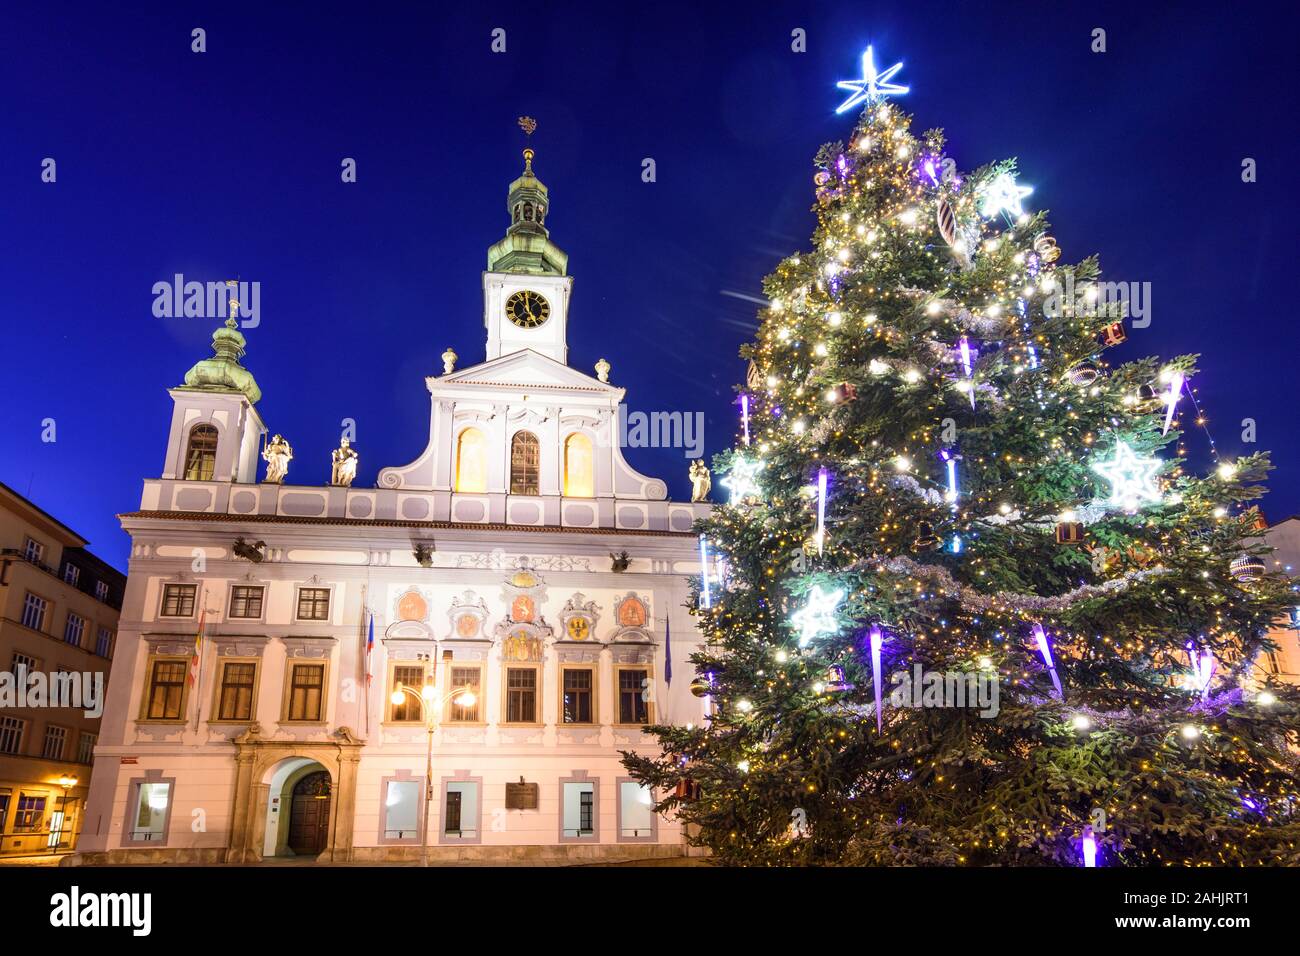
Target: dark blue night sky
[228, 163]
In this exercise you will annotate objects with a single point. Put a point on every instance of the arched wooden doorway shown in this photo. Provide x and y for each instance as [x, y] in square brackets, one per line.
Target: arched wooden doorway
[309, 817]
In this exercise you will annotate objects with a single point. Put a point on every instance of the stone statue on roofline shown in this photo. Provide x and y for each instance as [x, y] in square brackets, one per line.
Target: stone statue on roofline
[344, 468]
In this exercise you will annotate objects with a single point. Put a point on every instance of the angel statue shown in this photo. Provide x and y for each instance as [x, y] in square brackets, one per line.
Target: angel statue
[701, 481]
[345, 465]
[277, 456]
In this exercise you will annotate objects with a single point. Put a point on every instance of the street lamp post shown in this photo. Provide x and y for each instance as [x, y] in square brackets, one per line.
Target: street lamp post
[67, 782]
[429, 703]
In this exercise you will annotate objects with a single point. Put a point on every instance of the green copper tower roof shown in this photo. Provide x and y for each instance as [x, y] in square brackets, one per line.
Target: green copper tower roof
[222, 372]
[527, 247]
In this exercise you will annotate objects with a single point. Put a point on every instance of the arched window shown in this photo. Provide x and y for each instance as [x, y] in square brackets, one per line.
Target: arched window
[201, 453]
[471, 461]
[579, 470]
[525, 464]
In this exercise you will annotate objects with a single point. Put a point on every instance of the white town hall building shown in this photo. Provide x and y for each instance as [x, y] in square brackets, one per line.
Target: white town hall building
[501, 616]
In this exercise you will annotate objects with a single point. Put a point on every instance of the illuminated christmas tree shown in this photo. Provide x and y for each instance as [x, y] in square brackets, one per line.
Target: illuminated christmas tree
[966, 605]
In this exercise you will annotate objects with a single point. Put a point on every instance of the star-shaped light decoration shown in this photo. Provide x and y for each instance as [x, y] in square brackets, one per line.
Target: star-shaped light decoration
[741, 480]
[817, 617]
[873, 86]
[1132, 479]
[1003, 195]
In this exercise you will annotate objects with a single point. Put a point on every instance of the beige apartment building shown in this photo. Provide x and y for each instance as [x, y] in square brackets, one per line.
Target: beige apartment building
[1284, 662]
[59, 608]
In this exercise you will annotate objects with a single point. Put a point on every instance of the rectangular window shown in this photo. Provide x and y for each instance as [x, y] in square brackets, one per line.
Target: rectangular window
[579, 804]
[166, 691]
[412, 676]
[246, 601]
[521, 695]
[632, 706]
[313, 604]
[101, 590]
[74, 630]
[465, 678]
[104, 642]
[86, 748]
[34, 551]
[178, 600]
[4, 811]
[636, 810]
[577, 695]
[55, 739]
[306, 685]
[11, 735]
[461, 818]
[24, 661]
[402, 810]
[149, 818]
[238, 679]
[34, 609]
[31, 813]
[453, 812]
[71, 574]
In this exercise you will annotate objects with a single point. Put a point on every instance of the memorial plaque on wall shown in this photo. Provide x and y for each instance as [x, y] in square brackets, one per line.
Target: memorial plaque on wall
[522, 796]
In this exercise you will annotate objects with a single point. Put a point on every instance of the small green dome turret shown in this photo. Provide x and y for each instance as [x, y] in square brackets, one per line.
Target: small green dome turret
[527, 247]
[223, 372]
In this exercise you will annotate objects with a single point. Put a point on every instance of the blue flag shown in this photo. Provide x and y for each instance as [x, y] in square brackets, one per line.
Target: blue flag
[668, 651]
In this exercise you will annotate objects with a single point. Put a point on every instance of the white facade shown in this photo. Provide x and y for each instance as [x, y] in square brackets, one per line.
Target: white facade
[487, 563]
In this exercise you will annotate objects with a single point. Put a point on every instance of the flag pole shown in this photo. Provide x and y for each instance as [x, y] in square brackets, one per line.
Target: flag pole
[365, 653]
[197, 668]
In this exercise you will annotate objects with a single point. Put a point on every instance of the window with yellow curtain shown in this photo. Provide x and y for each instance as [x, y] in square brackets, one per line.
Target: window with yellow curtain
[471, 461]
[579, 467]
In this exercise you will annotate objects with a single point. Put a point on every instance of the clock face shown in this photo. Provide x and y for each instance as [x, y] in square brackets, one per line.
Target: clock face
[527, 309]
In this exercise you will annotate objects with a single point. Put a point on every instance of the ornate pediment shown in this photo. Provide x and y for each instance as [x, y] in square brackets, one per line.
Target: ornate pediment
[233, 645]
[632, 617]
[523, 592]
[529, 417]
[313, 648]
[468, 616]
[412, 604]
[523, 632]
[578, 619]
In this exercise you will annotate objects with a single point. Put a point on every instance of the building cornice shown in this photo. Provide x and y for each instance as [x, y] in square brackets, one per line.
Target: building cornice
[206, 517]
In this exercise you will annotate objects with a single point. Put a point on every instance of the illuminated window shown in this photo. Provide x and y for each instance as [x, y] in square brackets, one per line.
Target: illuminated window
[165, 691]
[471, 461]
[579, 478]
[201, 454]
[525, 464]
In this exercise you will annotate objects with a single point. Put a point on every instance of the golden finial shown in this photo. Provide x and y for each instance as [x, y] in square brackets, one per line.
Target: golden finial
[528, 125]
[234, 303]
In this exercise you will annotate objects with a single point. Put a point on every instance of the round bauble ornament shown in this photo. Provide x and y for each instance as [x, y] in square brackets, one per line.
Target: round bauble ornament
[1147, 393]
[1046, 248]
[1084, 374]
[822, 177]
[1246, 568]
[701, 686]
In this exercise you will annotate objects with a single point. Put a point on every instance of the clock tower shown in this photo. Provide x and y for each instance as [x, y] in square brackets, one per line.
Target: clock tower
[525, 289]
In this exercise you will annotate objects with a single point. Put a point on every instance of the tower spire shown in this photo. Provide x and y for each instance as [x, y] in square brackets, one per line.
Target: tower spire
[527, 247]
